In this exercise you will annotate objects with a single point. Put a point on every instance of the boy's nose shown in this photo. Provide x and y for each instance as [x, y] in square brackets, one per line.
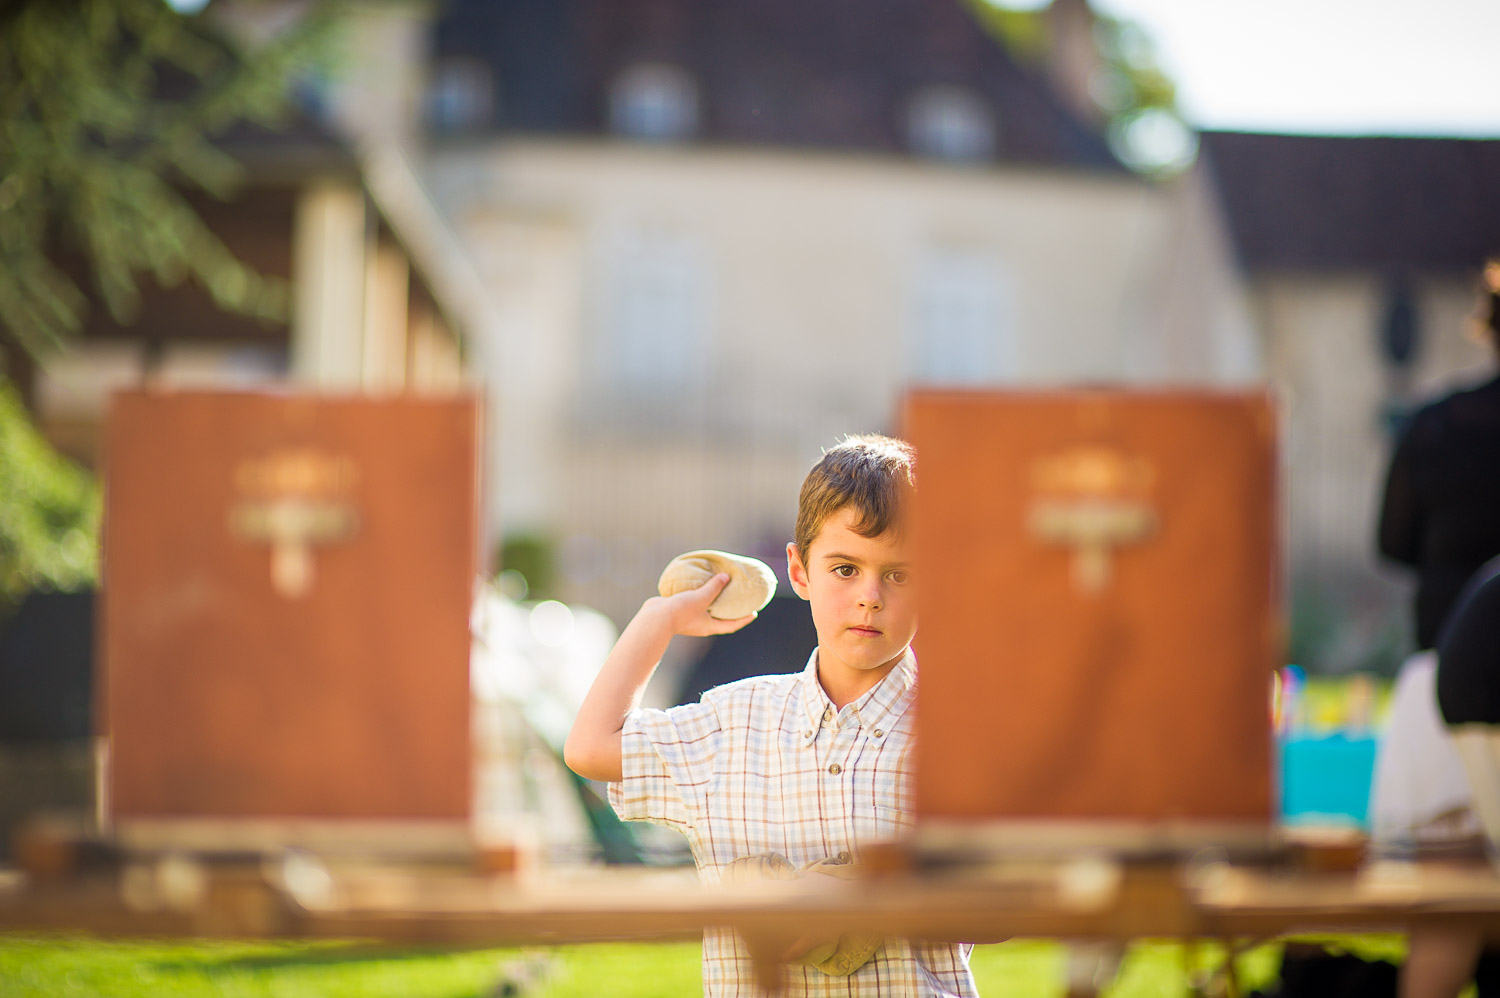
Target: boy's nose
[871, 599]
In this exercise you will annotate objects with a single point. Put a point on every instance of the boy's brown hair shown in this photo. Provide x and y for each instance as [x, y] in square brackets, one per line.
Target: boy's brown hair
[870, 473]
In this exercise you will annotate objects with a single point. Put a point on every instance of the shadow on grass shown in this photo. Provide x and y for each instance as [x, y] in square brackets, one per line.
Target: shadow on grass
[321, 956]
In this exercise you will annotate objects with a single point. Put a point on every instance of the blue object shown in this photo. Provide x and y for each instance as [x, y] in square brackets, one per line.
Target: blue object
[1326, 777]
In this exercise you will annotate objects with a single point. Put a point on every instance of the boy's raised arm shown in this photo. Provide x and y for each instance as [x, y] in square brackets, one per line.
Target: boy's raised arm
[593, 746]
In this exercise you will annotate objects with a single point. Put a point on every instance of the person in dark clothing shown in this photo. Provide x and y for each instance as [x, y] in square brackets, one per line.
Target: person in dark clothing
[1443, 487]
[1438, 516]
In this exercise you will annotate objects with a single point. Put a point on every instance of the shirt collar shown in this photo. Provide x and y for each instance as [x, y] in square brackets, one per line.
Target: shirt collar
[891, 695]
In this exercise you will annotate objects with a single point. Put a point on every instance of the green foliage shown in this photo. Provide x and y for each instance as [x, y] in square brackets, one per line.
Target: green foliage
[49, 511]
[534, 556]
[1135, 97]
[1140, 101]
[1314, 629]
[1023, 32]
[95, 149]
[1131, 78]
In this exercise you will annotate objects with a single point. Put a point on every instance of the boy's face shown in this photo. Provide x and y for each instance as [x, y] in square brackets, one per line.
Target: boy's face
[862, 594]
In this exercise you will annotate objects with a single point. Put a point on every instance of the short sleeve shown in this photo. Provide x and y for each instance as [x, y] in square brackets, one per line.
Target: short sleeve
[666, 757]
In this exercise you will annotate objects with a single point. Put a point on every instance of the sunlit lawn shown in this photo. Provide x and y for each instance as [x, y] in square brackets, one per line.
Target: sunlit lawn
[55, 967]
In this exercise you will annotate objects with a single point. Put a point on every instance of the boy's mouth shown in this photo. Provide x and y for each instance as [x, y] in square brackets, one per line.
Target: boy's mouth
[864, 631]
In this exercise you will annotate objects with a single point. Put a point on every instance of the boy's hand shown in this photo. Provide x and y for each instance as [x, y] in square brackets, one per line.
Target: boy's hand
[687, 613]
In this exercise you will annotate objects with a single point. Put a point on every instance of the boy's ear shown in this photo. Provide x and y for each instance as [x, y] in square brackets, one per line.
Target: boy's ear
[796, 571]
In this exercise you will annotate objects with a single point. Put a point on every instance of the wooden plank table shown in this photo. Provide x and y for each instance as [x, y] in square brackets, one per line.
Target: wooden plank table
[300, 898]
[295, 896]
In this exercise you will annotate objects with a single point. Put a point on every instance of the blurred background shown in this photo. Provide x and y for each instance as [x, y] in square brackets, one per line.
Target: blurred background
[682, 246]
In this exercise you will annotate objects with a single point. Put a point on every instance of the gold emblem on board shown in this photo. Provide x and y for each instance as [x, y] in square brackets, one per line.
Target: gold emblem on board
[1092, 500]
[294, 500]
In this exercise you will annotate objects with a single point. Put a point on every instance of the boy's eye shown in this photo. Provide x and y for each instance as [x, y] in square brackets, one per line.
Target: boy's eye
[899, 577]
[843, 571]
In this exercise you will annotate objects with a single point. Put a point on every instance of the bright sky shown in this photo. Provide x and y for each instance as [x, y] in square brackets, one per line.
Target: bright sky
[1402, 67]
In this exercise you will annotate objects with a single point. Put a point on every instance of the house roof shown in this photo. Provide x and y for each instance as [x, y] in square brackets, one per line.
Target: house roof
[829, 74]
[1298, 202]
[297, 148]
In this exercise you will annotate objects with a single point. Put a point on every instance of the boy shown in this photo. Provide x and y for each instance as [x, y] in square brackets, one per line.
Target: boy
[797, 769]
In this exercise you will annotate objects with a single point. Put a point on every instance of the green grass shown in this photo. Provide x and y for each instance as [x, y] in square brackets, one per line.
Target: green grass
[56, 967]
[62, 966]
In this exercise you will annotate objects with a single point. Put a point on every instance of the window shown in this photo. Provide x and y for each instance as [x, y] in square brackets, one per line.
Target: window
[654, 102]
[952, 124]
[1400, 330]
[962, 333]
[461, 95]
[652, 314]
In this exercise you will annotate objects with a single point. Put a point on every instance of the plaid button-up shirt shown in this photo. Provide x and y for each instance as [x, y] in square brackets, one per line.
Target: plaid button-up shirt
[768, 765]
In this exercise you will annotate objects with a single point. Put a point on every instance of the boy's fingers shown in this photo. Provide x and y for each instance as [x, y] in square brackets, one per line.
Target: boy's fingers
[708, 625]
[693, 616]
[711, 589]
[706, 593]
[737, 623]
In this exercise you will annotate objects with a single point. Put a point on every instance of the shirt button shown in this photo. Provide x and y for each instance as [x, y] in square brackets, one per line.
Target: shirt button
[835, 769]
[828, 714]
[879, 733]
[844, 857]
[807, 733]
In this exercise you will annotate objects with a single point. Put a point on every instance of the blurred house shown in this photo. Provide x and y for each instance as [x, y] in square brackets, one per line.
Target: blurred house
[376, 303]
[1362, 256]
[720, 236]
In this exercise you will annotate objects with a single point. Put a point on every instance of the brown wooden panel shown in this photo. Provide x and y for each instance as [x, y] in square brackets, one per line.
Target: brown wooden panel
[1145, 698]
[226, 698]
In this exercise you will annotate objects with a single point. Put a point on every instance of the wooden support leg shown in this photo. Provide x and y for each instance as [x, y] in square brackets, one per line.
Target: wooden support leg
[768, 958]
[1226, 980]
[1231, 975]
[1192, 980]
[1090, 966]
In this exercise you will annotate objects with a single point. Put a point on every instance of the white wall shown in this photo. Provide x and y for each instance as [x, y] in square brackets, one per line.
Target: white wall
[804, 276]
